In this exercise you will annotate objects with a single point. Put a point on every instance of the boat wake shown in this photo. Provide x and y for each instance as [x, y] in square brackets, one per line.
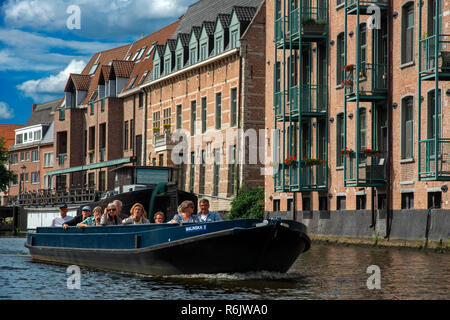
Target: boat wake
[256, 275]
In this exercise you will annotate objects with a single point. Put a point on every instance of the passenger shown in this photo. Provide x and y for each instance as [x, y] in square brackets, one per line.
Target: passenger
[110, 216]
[85, 213]
[119, 206]
[206, 215]
[159, 217]
[63, 218]
[93, 220]
[186, 216]
[138, 215]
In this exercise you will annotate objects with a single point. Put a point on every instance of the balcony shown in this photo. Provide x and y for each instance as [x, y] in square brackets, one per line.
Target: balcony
[163, 142]
[309, 100]
[366, 171]
[430, 166]
[312, 178]
[370, 85]
[62, 158]
[364, 7]
[430, 48]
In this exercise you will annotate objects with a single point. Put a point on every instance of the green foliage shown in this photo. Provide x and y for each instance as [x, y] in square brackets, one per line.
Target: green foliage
[248, 204]
[5, 175]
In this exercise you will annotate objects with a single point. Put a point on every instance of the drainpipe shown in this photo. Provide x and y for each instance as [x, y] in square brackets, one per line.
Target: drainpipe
[238, 153]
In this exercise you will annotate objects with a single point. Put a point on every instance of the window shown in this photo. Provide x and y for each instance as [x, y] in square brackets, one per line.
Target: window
[156, 71]
[407, 142]
[48, 159]
[434, 125]
[193, 116]
[131, 134]
[432, 17]
[166, 116]
[161, 159]
[27, 156]
[192, 173]
[218, 45]
[434, 200]
[306, 203]
[407, 33]
[35, 177]
[92, 138]
[232, 171]
[193, 56]
[149, 51]
[363, 46]
[91, 180]
[179, 116]
[340, 139]
[167, 66]
[179, 61]
[323, 203]
[141, 52]
[156, 120]
[92, 108]
[362, 131]
[290, 205]
[14, 159]
[276, 205]
[408, 200]
[340, 202]
[233, 109]
[22, 156]
[234, 39]
[361, 202]
[19, 138]
[142, 80]
[202, 173]
[48, 182]
[93, 69]
[35, 156]
[37, 135]
[218, 110]
[216, 172]
[133, 80]
[102, 180]
[340, 59]
[204, 114]
[203, 51]
[125, 135]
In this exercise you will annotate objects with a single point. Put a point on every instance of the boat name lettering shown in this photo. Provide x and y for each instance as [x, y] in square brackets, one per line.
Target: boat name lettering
[196, 228]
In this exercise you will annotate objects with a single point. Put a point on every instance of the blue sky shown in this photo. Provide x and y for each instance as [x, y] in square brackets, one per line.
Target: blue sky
[40, 43]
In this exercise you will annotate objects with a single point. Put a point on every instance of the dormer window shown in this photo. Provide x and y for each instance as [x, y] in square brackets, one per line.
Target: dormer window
[19, 138]
[167, 66]
[156, 71]
[204, 51]
[234, 42]
[179, 61]
[193, 56]
[149, 51]
[219, 45]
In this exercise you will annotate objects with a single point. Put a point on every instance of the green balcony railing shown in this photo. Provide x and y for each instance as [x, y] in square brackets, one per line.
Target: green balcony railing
[434, 167]
[350, 4]
[310, 18]
[372, 79]
[311, 177]
[434, 54]
[366, 170]
[62, 158]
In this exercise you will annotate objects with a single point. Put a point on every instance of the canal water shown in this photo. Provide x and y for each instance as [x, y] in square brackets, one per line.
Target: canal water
[325, 272]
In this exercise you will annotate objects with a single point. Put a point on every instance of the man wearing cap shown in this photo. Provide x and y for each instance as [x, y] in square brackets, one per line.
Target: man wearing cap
[85, 213]
[63, 218]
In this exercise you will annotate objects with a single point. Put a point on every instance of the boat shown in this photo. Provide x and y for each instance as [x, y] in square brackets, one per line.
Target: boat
[228, 246]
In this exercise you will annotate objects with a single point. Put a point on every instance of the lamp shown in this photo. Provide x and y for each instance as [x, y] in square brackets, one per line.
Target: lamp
[395, 15]
[350, 115]
[332, 42]
[331, 120]
[395, 105]
[351, 34]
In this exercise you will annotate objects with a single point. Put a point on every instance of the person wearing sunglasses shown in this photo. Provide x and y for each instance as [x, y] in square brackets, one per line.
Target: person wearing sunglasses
[110, 216]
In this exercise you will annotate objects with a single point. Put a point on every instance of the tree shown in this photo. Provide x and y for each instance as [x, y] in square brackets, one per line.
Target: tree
[6, 176]
[248, 204]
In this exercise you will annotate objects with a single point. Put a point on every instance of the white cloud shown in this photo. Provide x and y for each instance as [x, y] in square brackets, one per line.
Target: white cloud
[5, 111]
[52, 86]
[99, 19]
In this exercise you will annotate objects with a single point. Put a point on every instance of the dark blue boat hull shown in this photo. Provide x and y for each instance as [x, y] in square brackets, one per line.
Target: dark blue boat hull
[271, 247]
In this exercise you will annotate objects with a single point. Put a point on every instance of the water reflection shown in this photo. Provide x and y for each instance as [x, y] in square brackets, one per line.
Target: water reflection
[324, 272]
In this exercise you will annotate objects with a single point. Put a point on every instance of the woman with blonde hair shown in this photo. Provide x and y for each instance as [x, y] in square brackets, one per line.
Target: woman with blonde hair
[138, 215]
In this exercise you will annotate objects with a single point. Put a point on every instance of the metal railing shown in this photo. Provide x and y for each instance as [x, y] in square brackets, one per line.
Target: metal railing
[366, 170]
[434, 158]
[428, 47]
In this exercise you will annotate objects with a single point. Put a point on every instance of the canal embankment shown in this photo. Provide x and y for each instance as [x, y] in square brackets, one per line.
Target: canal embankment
[413, 228]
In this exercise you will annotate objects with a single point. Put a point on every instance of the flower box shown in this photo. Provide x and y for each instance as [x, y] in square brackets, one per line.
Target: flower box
[313, 161]
[371, 153]
[347, 152]
[290, 161]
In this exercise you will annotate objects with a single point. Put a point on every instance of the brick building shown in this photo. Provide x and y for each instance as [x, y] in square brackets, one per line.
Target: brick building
[7, 132]
[357, 92]
[31, 155]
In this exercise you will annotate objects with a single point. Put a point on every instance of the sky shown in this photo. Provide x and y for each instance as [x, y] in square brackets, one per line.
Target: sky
[43, 41]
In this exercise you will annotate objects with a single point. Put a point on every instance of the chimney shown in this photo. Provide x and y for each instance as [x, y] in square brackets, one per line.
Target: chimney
[33, 107]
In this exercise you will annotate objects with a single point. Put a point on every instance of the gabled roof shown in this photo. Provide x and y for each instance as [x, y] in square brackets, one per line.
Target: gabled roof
[224, 20]
[184, 39]
[105, 73]
[80, 82]
[160, 48]
[196, 31]
[207, 10]
[244, 14]
[122, 68]
[43, 113]
[171, 44]
[209, 27]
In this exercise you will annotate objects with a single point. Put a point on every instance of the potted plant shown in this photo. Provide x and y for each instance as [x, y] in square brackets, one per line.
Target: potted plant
[347, 152]
[290, 161]
[314, 26]
[166, 127]
[371, 152]
[349, 67]
[313, 161]
[347, 83]
[156, 130]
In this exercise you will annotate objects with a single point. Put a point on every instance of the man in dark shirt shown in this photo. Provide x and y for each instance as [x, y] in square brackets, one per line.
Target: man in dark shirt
[85, 213]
